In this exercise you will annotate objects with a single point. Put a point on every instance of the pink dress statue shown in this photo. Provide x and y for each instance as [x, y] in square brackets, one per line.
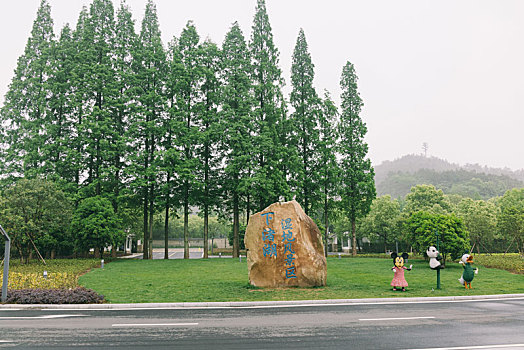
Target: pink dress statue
[398, 279]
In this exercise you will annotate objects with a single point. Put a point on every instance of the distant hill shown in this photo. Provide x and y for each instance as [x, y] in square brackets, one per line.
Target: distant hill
[397, 177]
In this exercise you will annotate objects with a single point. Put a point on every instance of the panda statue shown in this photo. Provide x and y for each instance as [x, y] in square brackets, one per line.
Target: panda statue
[434, 258]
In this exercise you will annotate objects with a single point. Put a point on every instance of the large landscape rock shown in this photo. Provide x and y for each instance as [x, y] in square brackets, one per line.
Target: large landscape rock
[284, 248]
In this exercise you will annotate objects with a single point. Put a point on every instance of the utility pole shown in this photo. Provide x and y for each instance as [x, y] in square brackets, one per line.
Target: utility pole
[6, 264]
[425, 147]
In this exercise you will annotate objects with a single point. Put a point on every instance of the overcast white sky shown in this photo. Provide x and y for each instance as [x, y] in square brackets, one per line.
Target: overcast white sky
[447, 72]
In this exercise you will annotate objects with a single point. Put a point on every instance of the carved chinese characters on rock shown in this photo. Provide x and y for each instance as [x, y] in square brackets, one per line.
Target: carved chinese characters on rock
[284, 248]
[287, 241]
[268, 237]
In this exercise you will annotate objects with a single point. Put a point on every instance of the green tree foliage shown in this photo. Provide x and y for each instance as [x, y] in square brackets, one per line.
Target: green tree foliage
[305, 118]
[383, 221]
[268, 114]
[151, 74]
[76, 156]
[109, 113]
[171, 149]
[422, 228]
[328, 170]
[99, 92]
[124, 103]
[218, 228]
[58, 124]
[480, 219]
[358, 186]
[189, 105]
[210, 133]
[95, 225]
[241, 235]
[426, 198]
[235, 118]
[511, 217]
[26, 102]
[466, 183]
[36, 213]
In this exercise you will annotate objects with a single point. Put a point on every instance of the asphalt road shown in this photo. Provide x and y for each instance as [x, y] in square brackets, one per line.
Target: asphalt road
[492, 324]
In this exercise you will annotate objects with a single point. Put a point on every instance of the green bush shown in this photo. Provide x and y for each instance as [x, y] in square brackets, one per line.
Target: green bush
[95, 225]
[422, 227]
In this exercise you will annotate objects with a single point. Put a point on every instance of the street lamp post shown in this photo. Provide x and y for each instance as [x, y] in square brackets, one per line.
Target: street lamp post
[6, 264]
[438, 270]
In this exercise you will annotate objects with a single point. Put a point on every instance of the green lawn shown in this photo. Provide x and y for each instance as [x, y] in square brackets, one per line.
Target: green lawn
[137, 281]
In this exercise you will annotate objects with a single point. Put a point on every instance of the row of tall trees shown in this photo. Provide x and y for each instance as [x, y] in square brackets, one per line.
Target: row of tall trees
[109, 112]
[495, 225]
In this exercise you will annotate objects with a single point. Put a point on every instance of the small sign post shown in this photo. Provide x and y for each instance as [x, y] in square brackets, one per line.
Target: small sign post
[6, 264]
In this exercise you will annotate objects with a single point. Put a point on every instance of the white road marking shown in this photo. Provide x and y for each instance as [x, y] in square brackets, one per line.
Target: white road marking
[6, 341]
[312, 304]
[38, 317]
[152, 324]
[394, 318]
[477, 347]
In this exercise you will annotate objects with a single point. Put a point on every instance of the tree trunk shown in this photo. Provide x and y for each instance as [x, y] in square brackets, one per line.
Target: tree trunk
[354, 236]
[206, 230]
[145, 245]
[248, 207]
[236, 243]
[326, 225]
[186, 221]
[166, 224]
[151, 217]
[97, 169]
[206, 201]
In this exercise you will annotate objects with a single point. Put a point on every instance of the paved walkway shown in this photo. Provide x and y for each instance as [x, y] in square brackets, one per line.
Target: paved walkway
[175, 253]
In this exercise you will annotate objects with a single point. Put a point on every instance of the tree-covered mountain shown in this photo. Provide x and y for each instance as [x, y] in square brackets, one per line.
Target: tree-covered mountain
[397, 177]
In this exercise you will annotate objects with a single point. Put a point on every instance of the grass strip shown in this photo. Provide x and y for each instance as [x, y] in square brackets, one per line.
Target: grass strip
[137, 281]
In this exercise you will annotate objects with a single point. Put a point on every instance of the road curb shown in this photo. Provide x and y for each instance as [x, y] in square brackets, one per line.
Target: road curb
[264, 304]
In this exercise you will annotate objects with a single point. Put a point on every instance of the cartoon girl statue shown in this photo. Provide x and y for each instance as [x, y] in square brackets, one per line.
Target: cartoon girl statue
[399, 280]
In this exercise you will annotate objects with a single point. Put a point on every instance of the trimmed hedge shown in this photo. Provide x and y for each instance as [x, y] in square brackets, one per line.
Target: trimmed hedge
[509, 262]
[78, 295]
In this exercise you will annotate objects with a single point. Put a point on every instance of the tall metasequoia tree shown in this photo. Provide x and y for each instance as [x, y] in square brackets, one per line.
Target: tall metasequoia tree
[237, 125]
[151, 71]
[125, 44]
[77, 140]
[210, 133]
[26, 102]
[269, 175]
[59, 118]
[328, 170]
[99, 92]
[357, 178]
[171, 149]
[305, 101]
[189, 105]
